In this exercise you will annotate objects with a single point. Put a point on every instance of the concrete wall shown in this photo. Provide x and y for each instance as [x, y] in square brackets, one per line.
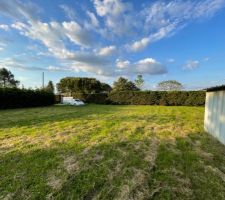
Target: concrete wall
[215, 114]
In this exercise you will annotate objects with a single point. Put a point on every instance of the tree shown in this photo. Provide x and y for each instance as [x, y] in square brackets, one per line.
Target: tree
[50, 87]
[170, 85]
[139, 81]
[82, 85]
[105, 87]
[123, 84]
[7, 79]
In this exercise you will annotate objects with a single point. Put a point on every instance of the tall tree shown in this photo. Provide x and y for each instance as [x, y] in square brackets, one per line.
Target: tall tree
[7, 79]
[139, 81]
[123, 84]
[50, 87]
[82, 85]
[170, 85]
[105, 87]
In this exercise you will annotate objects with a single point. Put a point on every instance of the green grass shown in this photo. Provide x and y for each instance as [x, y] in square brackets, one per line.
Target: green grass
[109, 152]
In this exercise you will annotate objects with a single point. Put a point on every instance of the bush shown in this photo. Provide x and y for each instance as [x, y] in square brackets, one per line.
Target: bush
[97, 98]
[58, 98]
[173, 98]
[170, 98]
[20, 98]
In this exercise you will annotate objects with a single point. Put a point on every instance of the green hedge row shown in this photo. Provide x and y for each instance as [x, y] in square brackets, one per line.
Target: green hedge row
[176, 98]
[97, 98]
[215, 89]
[20, 98]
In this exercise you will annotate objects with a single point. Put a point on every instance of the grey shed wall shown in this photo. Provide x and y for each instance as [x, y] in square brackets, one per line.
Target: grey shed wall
[215, 114]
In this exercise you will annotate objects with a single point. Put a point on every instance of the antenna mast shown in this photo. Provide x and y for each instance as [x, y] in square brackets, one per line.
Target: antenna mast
[43, 79]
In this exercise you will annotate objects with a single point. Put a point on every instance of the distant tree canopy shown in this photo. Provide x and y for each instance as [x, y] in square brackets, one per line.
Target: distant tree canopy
[105, 87]
[123, 84]
[50, 87]
[82, 85]
[139, 81]
[7, 79]
[170, 85]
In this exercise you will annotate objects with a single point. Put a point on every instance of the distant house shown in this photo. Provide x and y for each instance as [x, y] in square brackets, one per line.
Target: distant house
[215, 113]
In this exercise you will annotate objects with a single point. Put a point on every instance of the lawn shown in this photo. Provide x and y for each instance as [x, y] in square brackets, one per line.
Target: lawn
[109, 152]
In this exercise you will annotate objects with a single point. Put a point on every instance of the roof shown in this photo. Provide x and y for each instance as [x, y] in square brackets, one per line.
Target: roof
[216, 88]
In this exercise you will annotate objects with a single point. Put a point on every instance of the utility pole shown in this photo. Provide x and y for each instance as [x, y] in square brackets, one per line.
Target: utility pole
[43, 80]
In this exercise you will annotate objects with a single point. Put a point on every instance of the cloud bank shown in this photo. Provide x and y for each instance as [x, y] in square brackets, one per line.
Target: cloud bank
[109, 31]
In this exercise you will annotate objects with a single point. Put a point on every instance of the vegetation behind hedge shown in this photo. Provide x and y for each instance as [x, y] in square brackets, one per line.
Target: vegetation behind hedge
[20, 98]
[175, 98]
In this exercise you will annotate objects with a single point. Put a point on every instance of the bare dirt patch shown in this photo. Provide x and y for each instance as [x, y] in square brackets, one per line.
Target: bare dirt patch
[71, 164]
[55, 182]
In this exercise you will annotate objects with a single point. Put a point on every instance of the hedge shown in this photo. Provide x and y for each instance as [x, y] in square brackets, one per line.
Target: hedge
[173, 98]
[215, 89]
[97, 98]
[20, 98]
[58, 98]
[176, 98]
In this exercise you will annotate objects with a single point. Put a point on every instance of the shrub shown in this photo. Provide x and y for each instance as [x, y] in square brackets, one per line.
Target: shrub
[173, 98]
[97, 98]
[164, 98]
[58, 98]
[20, 98]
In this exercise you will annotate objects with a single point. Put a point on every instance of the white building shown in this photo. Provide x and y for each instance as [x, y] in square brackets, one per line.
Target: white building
[215, 113]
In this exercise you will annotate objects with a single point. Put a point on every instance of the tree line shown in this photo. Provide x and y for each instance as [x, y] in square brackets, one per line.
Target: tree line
[85, 85]
[71, 85]
[7, 80]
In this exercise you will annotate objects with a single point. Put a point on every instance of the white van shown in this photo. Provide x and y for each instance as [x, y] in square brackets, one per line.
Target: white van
[72, 101]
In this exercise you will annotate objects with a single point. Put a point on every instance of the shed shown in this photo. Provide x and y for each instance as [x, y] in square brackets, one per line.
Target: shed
[215, 112]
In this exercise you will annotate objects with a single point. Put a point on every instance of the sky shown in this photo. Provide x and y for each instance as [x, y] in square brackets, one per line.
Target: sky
[181, 40]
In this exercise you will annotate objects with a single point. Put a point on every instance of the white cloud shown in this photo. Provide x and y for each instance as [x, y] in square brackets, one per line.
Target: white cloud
[81, 45]
[53, 34]
[1, 49]
[68, 11]
[121, 64]
[14, 63]
[160, 34]
[118, 16]
[23, 78]
[76, 34]
[163, 19]
[4, 27]
[147, 66]
[150, 66]
[139, 45]
[171, 60]
[107, 51]
[58, 68]
[191, 64]
[206, 59]
[207, 8]
[112, 7]
[19, 10]
[94, 20]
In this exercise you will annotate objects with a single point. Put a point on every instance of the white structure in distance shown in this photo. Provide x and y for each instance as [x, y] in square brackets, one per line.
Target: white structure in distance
[72, 101]
[215, 113]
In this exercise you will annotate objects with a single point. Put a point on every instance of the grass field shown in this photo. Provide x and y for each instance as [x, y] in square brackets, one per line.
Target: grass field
[109, 152]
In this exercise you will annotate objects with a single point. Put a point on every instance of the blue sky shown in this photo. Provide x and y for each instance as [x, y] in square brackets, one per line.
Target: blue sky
[182, 40]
